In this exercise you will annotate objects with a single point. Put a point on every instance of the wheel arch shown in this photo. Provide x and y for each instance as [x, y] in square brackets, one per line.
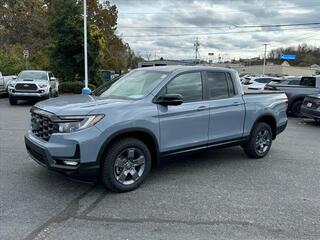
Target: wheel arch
[270, 120]
[142, 134]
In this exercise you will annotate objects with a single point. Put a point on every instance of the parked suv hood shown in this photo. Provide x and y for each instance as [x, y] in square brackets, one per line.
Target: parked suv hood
[78, 105]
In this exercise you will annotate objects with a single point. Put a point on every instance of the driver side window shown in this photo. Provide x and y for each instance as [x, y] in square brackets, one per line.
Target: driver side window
[189, 85]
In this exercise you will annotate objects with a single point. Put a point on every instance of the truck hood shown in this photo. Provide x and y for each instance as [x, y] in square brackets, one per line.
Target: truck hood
[26, 81]
[79, 105]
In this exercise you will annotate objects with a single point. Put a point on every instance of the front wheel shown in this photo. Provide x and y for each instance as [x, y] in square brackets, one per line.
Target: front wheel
[126, 164]
[259, 142]
[13, 101]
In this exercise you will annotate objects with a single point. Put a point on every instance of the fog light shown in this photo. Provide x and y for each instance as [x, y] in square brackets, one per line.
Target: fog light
[70, 163]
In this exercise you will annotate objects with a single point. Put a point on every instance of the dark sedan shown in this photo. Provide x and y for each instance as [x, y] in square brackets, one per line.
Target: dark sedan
[311, 107]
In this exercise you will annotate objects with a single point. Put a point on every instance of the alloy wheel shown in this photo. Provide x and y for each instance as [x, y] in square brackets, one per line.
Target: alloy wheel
[129, 166]
[263, 141]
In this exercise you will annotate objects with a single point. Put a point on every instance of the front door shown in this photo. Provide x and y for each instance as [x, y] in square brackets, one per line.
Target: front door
[184, 126]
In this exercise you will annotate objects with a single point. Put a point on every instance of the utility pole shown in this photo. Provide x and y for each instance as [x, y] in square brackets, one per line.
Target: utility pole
[86, 89]
[264, 59]
[196, 48]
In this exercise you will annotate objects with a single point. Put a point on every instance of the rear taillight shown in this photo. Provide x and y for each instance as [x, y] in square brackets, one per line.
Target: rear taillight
[317, 102]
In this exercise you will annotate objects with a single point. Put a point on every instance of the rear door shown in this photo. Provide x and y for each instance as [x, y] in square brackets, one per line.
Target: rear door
[185, 125]
[226, 107]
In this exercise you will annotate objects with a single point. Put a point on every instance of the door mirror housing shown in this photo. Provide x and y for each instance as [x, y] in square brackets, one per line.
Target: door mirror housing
[53, 79]
[169, 100]
[14, 77]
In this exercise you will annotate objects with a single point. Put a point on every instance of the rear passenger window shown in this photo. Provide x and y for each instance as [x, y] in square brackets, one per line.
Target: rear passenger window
[294, 82]
[189, 85]
[308, 81]
[220, 85]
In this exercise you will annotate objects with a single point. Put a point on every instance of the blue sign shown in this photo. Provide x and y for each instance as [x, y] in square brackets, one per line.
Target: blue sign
[288, 56]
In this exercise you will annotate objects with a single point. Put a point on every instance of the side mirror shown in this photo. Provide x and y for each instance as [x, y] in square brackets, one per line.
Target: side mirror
[53, 79]
[14, 77]
[169, 100]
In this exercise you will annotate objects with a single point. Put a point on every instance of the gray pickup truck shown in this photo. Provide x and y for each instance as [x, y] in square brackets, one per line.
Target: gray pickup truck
[150, 113]
[296, 93]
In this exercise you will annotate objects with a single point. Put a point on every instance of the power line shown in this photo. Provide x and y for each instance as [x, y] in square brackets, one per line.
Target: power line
[216, 33]
[234, 26]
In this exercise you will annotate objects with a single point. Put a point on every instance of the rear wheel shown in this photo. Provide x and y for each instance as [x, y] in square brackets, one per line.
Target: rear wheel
[126, 164]
[13, 101]
[296, 108]
[259, 142]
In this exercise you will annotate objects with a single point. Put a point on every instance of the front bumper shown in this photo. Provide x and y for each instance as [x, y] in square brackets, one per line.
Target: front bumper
[281, 128]
[79, 147]
[27, 95]
[310, 113]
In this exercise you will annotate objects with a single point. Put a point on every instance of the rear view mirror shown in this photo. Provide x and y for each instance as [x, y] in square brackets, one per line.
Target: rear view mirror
[14, 77]
[170, 99]
[53, 79]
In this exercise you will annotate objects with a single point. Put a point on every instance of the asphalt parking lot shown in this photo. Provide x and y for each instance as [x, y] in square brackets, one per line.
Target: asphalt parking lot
[212, 195]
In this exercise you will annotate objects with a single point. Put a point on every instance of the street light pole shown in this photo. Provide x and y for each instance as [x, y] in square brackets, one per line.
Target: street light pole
[264, 59]
[86, 89]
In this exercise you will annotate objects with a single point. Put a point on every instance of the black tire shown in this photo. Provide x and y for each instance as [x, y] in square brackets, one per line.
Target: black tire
[296, 108]
[13, 101]
[109, 167]
[56, 93]
[252, 148]
[50, 95]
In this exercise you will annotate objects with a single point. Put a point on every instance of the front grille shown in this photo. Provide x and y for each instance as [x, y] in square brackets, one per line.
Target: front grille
[26, 86]
[42, 126]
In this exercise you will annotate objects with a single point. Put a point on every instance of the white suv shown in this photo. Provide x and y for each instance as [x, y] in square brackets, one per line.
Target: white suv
[256, 83]
[33, 84]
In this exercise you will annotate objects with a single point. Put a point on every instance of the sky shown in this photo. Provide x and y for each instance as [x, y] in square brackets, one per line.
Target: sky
[169, 28]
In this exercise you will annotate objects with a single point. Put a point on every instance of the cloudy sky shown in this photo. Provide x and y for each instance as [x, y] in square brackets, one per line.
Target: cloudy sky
[232, 28]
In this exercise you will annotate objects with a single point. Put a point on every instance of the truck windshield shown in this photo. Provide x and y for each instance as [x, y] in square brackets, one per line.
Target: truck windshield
[33, 75]
[135, 85]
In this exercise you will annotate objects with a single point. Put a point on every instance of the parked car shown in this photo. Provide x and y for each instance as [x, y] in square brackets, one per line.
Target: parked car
[311, 107]
[282, 82]
[297, 93]
[2, 85]
[32, 84]
[150, 113]
[4, 81]
[256, 83]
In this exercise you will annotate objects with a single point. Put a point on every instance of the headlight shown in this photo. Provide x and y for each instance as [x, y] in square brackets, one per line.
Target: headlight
[12, 84]
[76, 123]
[43, 85]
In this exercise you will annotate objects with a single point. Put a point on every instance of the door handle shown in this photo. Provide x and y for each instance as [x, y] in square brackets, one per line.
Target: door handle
[202, 108]
[236, 103]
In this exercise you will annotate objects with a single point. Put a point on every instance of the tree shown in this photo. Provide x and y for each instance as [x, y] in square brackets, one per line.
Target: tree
[306, 55]
[24, 22]
[66, 28]
[52, 30]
